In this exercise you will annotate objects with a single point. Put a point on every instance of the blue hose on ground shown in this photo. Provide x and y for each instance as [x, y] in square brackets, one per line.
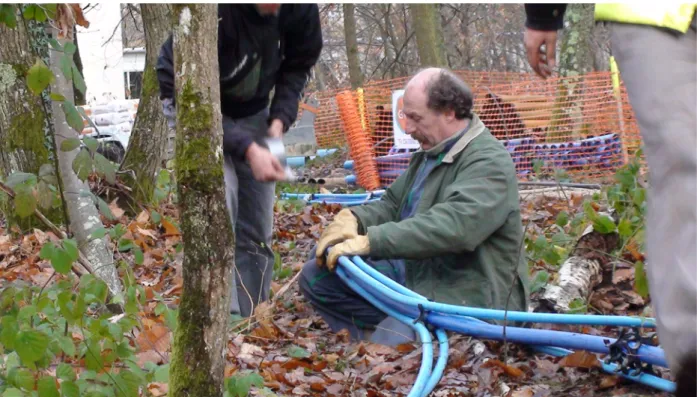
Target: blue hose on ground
[440, 364]
[453, 322]
[645, 379]
[501, 315]
[479, 328]
[343, 199]
[427, 357]
[424, 375]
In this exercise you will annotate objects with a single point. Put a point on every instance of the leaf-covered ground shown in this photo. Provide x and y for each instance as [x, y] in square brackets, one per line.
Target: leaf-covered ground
[291, 349]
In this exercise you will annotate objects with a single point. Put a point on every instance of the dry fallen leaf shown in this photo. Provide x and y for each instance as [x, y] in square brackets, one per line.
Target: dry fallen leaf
[609, 382]
[155, 337]
[170, 229]
[509, 370]
[580, 359]
[79, 16]
[116, 210]
[143, 218]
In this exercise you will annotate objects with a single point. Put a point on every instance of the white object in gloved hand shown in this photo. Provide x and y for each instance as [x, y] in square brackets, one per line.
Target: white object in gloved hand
[278, 149]
[170, 112]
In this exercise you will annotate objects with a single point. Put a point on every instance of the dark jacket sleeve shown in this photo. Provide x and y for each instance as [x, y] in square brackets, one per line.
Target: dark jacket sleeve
[165, 69]
[545, 16]
[302, 49]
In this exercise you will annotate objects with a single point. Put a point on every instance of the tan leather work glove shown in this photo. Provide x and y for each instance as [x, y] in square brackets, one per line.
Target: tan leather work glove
[344, 227]
[359, 245]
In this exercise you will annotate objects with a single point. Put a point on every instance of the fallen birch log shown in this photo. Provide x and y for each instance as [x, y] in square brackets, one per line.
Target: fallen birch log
[581, 272]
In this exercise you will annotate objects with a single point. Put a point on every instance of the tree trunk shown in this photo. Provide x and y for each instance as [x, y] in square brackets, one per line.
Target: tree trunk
[22, 114]
[83, 214]
[149, 137]
[580, 273]
[319, 76]
[576, 54]
[429, 37]
[389, 51]
[355, 74]
[24, 121]
[79, 95]
[198, 360]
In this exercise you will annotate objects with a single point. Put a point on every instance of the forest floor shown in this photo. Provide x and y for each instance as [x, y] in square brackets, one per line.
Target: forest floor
[292, 349]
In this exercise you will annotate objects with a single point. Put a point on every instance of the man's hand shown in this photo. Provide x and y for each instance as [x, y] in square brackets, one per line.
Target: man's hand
[276, 128]
[542, 61]
[265, 166]
[359, 245]
[344, 226]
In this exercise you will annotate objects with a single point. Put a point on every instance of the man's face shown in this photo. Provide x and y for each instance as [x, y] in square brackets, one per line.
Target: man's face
[268, 8]
[423, 124]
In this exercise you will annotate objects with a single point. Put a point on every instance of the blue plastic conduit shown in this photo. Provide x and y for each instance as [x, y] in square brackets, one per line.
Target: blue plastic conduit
[347, 200]
[500, 315]
[442, 361]
[439, 319]
[423, 377]
[645, 379]
[453, 322]
[299, 161]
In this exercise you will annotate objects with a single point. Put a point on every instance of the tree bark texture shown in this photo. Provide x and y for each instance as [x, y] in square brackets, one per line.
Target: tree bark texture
[429, 37]
[22, 114]
[355, 74]
[79, 96]
[150, 135]
[580, 273]
[576, 55]
[198, 361]
[82, 211]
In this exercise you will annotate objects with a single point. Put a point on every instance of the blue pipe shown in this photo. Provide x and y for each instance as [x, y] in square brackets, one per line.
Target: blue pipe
[649, 380]
[643, 378]
[442, 361]
[408, 305]
[422, 379]
[299, 161]
[501, 315]
[646, 379]
[440, 364]
[347, 203]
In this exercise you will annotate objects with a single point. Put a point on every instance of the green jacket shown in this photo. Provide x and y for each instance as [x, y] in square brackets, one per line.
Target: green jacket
[463, 245]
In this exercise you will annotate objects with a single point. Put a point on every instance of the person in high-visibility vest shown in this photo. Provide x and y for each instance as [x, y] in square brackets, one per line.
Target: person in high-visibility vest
[655, 46]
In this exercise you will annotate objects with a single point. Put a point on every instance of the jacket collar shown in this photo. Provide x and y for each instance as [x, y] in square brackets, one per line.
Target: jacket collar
[473, 130]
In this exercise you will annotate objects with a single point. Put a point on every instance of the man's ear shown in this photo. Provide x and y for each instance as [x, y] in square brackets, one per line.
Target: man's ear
[449, 116]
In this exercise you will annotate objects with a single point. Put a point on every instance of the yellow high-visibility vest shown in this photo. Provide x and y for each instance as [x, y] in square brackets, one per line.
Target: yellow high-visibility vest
[661, 14]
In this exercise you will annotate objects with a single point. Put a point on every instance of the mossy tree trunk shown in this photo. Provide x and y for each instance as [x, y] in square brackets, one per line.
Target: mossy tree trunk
[576, 54]
[22, 114]
[24, 121]
[429, 35]
[355, 74]
[198, 358]
[149, 136]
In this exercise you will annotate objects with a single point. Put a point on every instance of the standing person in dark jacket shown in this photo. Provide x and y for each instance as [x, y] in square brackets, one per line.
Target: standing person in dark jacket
[655, 45]
[261, 47]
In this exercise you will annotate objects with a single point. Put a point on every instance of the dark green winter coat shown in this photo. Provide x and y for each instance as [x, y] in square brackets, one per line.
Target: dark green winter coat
[463, 244]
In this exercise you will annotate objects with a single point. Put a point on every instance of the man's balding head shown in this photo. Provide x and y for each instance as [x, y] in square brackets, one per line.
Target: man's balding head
[437, 104]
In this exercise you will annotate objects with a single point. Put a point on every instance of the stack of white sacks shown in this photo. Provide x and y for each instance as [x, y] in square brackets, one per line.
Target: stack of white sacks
[114, 120]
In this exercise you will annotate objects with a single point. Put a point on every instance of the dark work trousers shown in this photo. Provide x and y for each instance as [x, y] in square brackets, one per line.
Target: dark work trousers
[342, 308]
[250, 204]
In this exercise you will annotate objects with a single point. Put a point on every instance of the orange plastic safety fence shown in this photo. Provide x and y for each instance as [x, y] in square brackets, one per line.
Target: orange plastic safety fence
[581, 126]
[360, 147]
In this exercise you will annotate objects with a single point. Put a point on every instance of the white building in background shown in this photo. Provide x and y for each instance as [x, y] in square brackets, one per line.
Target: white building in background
[111, 72]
